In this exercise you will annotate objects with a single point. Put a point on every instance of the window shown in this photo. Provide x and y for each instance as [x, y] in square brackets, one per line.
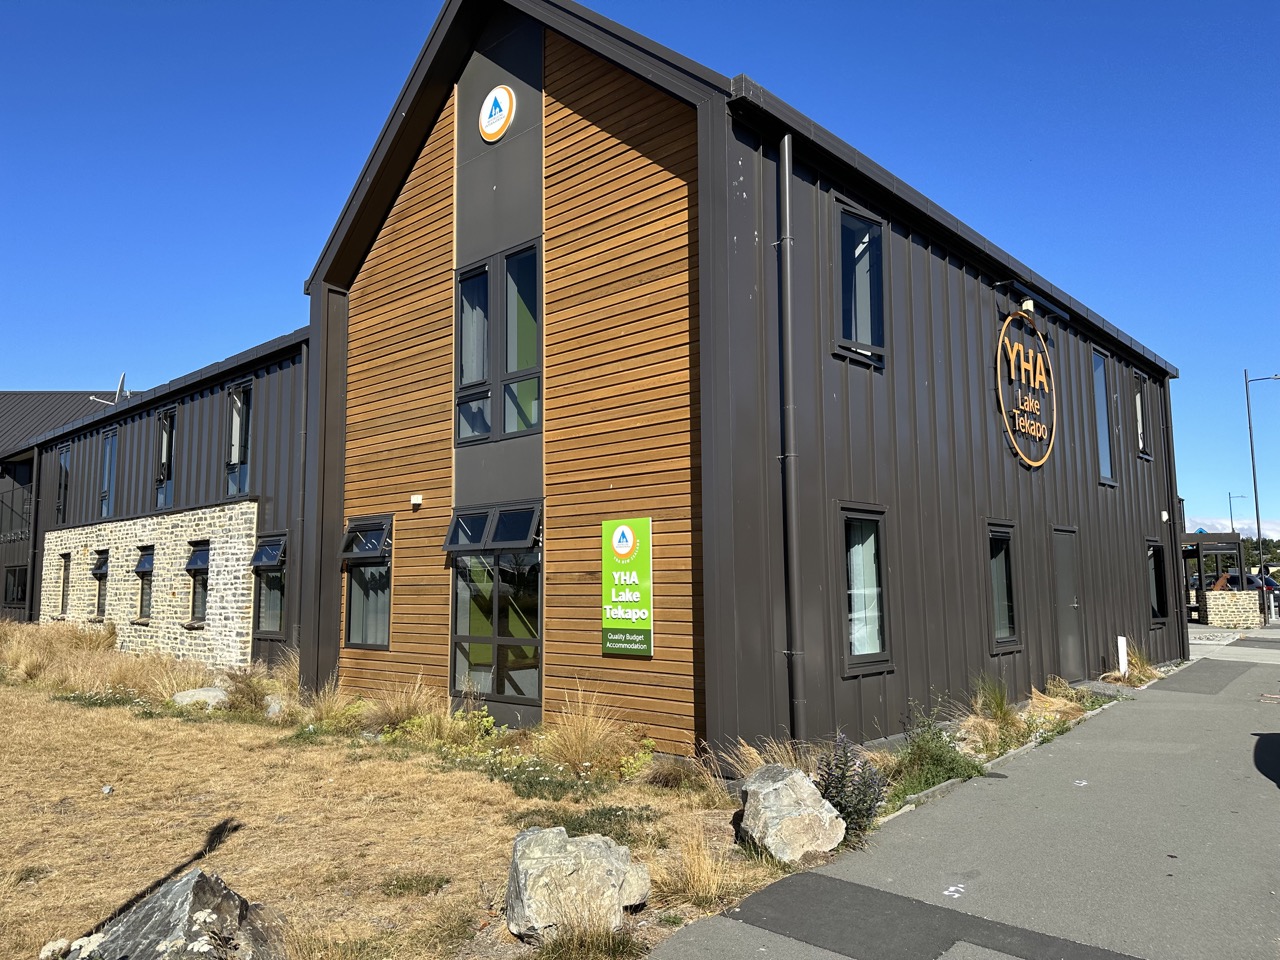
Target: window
[499, 360]
[15, 586]
[107, 494]
[1004, 616]
[366, 552]
[510, 526]
[268, 570]
[198, 568]
[860, 296]
[1102, 411]
[1156, 581]
[241, 402]
[66, 584]
[857, 588]
[145, 567]
[164, 467]
[497, 646]
[101, 567]
[64, 482]
[1140, 414]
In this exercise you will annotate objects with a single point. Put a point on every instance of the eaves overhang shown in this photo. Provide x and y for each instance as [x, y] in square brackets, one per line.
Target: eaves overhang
[424, 93]
[756, 104]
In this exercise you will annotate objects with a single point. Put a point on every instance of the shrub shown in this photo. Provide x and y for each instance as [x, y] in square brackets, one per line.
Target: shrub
[851, 784]
[589, 736]
[928, 757]
[248, 689]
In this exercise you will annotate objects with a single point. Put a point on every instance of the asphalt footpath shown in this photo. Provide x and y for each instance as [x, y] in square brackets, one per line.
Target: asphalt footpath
[1151, 831]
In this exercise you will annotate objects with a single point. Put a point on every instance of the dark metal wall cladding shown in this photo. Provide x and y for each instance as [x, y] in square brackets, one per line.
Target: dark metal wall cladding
[923, 438]
[201, 444]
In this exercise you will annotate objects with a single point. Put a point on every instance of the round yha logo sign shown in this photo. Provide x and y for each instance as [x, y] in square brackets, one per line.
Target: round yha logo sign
[624, 542]
[1025, 386]
[496, 113]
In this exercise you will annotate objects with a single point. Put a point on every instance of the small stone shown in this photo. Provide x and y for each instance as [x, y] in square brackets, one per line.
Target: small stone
[108, 790]
[55, 950]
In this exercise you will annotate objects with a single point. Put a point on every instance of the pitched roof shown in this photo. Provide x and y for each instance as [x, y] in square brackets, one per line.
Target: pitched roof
[450, 43]
[25, 414]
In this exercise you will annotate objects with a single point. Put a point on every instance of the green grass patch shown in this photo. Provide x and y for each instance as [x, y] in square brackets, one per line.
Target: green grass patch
[929, 757]
[413, 884]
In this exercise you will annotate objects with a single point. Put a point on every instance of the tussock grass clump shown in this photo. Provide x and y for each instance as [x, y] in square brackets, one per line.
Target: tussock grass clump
[583, 941]
[698, 873]
[329, 710]
[589, 737]
[990, 723]
[402, 703]
[742, 758]
[1141, 671]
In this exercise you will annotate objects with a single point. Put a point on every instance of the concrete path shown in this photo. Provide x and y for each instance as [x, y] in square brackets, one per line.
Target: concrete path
[1152, 831]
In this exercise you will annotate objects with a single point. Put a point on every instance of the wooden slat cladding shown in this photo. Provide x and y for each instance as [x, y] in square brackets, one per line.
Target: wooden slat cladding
[399, 415]
[621, 347]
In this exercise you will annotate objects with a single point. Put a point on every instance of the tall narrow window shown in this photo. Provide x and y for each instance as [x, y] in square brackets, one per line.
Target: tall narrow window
[164, 467]
[101, 567]
[1000, 544]
[1102, 413]
[241, 402]
[107, 493]
[66, 584]
[15, 586]
[860, 327]
[366, 552]
[1156, 582]
[144, 569]
[268, 569]
[1140, 413]
[499, 338]
[64, 482]
[198, 568]
[864, 605]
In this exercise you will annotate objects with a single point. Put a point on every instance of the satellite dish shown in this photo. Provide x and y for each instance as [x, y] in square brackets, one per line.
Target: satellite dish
[121, 394]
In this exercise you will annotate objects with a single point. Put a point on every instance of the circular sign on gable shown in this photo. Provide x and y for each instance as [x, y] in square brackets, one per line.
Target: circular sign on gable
[1025, 386]
[496, 113]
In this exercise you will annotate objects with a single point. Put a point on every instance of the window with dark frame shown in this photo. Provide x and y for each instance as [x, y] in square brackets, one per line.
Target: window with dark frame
[1140, 413]
[864, 607]
[1156, 582]
[268, 569]
[198, 568]
[497, 601]
[1003, 604]
[366, 555]
[1102, 413]
[499, 354]
[167, 421]
[15, 586]
[101, 568]
[64, 483]
[107, 492]
[66, 584]
[860, 293]
[240, 402]
[144, 569]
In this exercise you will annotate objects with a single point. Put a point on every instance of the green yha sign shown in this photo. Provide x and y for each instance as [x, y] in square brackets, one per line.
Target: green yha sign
[627, 587]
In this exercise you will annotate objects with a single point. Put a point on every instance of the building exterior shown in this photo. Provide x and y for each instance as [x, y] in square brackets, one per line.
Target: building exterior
[631, 377]
[171, 514]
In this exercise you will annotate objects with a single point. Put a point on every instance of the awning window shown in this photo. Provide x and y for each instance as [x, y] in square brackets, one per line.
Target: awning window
[199, 559]
[367, 540]
[508, 526]
[146, 561]
[100, 564]
[269, 554]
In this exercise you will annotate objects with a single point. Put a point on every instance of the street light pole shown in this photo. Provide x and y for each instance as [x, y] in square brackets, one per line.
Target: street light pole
[1233, 496]
[1257, 507]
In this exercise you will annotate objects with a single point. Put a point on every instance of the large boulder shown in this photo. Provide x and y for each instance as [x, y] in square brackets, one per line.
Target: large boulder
[557, 881]
[195, 915]
[783, 812]
[210, 697]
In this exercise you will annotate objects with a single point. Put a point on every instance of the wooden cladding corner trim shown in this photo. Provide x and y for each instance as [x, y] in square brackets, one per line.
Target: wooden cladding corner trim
[621, 336]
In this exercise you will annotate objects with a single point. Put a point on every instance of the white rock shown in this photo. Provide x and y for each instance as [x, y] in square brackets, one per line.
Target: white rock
[783, 812]
[210, 696]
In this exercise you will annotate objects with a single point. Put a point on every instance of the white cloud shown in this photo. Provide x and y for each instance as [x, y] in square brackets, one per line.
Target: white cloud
[1244, 527]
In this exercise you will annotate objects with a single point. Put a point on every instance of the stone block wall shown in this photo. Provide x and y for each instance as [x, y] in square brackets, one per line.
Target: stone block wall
[1232, 608]
[224, 639]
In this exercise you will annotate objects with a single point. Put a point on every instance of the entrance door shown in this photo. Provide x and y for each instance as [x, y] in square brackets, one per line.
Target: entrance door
[1067, 603]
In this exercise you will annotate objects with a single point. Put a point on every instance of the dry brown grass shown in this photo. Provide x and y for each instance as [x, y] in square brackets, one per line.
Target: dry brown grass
[1141, 671]
[1045, 704]
[743, 757]
[587, 734]
[403, 702]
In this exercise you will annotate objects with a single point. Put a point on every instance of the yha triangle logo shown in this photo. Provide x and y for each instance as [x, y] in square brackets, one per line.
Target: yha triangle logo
[496, 113]
[624, 542]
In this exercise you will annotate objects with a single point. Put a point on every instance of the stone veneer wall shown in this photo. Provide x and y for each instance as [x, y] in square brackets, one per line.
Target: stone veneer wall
[225, 638]
[1232, 608]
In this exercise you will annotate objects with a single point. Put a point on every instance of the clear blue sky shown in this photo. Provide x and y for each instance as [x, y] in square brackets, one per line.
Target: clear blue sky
[170, 170]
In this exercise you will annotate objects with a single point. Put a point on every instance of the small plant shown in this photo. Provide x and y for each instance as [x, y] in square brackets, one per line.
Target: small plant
[698, 874]
[928, 757]
[674, 773]
[582, 942]
[852, 785]
[413, 884]
[1141, 672]
[248, 689]
[671, 920]
[742, 758]
[624, 824]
